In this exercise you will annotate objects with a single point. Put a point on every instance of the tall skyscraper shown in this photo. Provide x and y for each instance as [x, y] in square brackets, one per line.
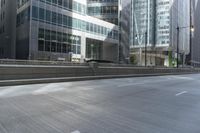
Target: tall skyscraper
[195, 42]
[7, 26]
[155, 23]
[62, 30]
[125, 30]
[109, 10]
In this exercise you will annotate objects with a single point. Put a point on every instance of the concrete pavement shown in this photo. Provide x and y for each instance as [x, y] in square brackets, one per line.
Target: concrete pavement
[163, 104]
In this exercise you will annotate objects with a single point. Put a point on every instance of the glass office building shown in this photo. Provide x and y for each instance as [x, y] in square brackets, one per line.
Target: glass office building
[163, 23]
[159, 20]
[125, 31]
[7, 26]
[143, 21]
[62, 30]
[195, 42]
[106, 10]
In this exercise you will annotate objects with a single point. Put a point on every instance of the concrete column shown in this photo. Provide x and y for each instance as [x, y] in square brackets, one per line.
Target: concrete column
[83, 46]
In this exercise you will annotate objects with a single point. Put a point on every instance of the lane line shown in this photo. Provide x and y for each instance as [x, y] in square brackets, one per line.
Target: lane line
[181, 93]
[76, 131]
[142, 83]
[130, 84]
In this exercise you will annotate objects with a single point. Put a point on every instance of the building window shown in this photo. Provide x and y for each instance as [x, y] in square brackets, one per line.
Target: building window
[47, 46]
[23, 16]
[41, 14]
[60, 19]
[60, 2]
[54, 1]
[47, 35]
[59, 47]
[1, 51]
[53, 36]
[35, 12]
[48, 16]
[41, 45]
[41, 33]
[94, 49]
[53, 41]
[69, 22]
[53, 46]
[54, 17]
[64, 48]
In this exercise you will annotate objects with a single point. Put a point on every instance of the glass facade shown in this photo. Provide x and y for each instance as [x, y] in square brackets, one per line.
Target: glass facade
[163, 22]
[111, 11]
[106, 10]
[53, 41]
[20, 3]
[125, 31]
[94, 49]
[111, 1]
[143, 22]
[67, 5]
[195, 42]
[54, 18]
[23, 16]
[159, 19]
[59, 29]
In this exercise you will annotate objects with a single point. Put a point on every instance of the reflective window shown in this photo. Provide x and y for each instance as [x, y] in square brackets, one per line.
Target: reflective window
[67, 4]
[69, 22]
[52, 41]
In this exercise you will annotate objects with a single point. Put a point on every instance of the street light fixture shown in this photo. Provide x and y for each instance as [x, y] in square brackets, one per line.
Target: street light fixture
[192, 28]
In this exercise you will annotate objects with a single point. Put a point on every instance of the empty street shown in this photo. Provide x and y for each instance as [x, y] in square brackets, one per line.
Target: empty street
[164, 104]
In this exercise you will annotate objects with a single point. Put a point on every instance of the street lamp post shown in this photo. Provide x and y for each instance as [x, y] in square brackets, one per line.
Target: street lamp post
[191, 30]
[145, 47]
[190, 54]
[177, 47]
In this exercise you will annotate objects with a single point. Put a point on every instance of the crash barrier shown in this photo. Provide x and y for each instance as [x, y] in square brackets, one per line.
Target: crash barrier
[14, 72]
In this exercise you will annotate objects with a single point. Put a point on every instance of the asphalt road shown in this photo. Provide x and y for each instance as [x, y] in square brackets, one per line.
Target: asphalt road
[168, 104]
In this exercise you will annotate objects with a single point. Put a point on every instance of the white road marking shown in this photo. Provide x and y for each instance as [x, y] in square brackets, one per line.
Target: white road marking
[181, 93]
[143, 82]
[11, 90]
[130, 84]
[48, 89]
[76, 131]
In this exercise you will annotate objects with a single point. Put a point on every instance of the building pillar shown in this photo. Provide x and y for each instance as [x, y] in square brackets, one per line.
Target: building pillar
[83, 47]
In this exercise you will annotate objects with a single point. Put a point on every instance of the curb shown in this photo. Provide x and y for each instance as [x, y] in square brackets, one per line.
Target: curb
[84, 78]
